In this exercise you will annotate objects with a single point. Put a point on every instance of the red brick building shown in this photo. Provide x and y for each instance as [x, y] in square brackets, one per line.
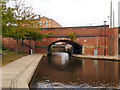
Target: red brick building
[44, 22]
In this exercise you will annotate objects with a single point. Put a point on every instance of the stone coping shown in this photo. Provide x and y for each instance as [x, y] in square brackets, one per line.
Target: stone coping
[18, 74]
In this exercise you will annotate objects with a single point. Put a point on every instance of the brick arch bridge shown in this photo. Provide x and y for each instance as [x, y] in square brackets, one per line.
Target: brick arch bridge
[89, 38]
[44, 45]
[77, 48]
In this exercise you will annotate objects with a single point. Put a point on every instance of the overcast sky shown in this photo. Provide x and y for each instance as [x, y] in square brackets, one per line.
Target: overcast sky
[71, 13]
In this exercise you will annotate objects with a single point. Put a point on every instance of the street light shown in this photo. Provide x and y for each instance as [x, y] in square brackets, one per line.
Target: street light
[105, 37]
[108, 19]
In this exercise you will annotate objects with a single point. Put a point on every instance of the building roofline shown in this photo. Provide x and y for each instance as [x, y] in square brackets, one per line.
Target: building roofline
[55, 22]
[51, 19]
[74, 27]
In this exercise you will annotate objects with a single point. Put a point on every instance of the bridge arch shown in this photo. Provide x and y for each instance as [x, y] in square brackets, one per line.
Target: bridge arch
[77, 48]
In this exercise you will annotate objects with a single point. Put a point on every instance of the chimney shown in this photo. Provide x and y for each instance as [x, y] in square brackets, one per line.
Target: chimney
[119, 14]
[113, 19]
[111, 14]
[39, 17]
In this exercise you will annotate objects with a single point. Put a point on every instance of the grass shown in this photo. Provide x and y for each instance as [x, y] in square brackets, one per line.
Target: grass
[10, 56]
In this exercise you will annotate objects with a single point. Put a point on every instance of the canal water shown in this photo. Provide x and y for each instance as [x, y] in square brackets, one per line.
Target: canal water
[60, 70]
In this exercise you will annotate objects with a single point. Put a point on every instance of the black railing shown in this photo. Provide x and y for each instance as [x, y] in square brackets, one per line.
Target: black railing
[26, 45]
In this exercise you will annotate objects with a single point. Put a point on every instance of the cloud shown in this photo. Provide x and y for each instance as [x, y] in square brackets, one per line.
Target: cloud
[78, 13]
[75, 12]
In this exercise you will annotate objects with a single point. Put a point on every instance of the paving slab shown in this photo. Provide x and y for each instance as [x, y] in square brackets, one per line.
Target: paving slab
[15, 71]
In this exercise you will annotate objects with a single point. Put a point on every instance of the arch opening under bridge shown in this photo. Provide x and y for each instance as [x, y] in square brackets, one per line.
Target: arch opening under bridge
[76, 48]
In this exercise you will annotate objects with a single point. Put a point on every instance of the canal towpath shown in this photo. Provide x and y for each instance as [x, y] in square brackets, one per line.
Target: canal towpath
[18, 74]
[97, 57]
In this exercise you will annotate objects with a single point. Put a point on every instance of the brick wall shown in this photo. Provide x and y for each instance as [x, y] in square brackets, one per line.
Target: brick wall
[87, 37]
[113, 41]
[11, 43]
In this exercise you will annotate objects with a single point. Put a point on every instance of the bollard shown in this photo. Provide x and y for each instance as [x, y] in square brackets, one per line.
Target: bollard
[31, 51]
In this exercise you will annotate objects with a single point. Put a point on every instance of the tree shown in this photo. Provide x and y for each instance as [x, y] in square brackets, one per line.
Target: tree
[15, 21]
[7, 15]
[16, 34]
[24, 16]
[72, 36]
[18, 23]
[8, 20]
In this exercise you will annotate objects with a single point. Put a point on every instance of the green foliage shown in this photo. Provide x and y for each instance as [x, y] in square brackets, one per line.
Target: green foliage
[16, 33]
[13, 19]
[72, 36]
[34, 35]
[3, 1]
[8, 19]
[17, 23]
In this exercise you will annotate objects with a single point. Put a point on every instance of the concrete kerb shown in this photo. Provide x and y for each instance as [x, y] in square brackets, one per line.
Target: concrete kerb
[21, 76]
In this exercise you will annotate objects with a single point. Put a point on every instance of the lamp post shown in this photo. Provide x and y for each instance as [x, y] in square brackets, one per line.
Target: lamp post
[105, 37]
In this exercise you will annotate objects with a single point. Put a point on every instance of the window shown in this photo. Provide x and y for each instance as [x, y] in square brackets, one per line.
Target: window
[49, 24]
[46, 25]
[49, 21]
[40, 24]
[46, 21]
[40, 21]
[43, 21]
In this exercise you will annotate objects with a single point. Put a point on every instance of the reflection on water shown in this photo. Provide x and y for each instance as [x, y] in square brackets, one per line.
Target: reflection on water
[59, 58]
[60, 70]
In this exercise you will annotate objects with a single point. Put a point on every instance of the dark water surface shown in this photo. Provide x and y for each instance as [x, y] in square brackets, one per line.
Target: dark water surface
[62, 71]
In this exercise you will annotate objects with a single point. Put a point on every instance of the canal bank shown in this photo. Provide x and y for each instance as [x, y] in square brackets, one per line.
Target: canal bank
[97, 57]
[18, 74]
[59, 70]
